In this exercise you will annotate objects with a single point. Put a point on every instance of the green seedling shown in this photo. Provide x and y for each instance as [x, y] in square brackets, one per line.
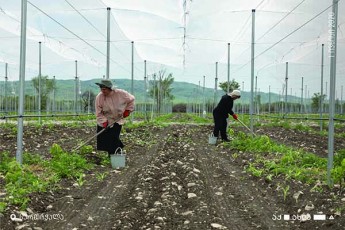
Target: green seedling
[101, 176]
[81, 179]
[285, 191]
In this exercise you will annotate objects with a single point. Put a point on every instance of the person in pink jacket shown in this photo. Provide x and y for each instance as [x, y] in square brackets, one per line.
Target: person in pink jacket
[112, 105]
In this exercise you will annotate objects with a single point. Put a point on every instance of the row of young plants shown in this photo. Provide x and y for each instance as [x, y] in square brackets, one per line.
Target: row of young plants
[39, 175]
[272, 159]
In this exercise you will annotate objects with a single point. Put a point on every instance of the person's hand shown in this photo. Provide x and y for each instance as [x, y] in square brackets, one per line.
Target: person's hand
[126, 113]
[105, 124]
[234, 116]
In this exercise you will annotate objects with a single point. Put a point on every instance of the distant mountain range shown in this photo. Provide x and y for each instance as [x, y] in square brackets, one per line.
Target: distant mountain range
[183, 92]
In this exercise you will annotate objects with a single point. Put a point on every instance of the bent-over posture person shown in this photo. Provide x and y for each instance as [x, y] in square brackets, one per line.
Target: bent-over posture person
[221, 113]
[112, 105]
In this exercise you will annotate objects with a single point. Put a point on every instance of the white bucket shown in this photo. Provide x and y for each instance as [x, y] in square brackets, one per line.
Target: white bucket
[118, 160]
[212, 140]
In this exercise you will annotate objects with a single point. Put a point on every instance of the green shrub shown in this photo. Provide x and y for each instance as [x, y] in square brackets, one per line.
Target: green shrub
[65, 164]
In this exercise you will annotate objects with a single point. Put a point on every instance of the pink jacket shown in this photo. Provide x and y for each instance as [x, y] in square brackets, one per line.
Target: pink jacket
[110, 108]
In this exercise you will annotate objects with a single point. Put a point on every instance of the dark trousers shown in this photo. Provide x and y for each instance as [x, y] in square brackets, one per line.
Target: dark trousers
[109, 140]
[220, 126]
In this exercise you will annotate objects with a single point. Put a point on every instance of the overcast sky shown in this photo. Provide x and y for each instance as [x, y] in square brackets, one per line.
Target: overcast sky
[186, 38]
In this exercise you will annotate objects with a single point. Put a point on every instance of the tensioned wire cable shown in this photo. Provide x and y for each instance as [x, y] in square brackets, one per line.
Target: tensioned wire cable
[270, 29]
[126, 56]
[73, 33]
[75, 9]
[288, 35]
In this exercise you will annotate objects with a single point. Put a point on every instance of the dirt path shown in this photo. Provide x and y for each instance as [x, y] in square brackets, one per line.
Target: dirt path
[180, 182]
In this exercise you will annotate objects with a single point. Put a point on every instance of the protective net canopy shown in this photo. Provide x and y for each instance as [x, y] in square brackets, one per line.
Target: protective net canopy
[184, 37]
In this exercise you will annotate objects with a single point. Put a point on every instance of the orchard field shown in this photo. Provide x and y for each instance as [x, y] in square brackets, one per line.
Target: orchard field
[173, 178]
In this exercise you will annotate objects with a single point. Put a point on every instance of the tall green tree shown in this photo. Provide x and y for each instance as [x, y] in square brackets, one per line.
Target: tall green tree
[315, 105]
[161, 88]
[232, 85]
[47, 86]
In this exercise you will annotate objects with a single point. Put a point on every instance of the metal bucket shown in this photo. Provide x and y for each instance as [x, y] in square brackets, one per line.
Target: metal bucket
[118, 160]
[212, 140]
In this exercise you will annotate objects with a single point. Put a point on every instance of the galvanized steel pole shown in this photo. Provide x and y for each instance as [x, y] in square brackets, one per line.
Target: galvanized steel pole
[6, 99]
[302, 96]
[228, 85]
[203, 99]
[132, 69]
[54, 94]
[39, 82]
[76, 88]
[252, 72]
[333, 23]
[286, 86]
[215, 86]
[269, 99]
[341, 101]
[145, 91]
[19, 155]
[108, 43]
[321, 96]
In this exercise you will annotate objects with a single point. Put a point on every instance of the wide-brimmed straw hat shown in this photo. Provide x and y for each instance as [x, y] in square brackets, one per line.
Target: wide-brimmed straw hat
[105, 83]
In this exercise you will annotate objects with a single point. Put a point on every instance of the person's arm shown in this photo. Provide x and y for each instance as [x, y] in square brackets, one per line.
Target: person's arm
[130, 102]
[230, 104]
[101, 119]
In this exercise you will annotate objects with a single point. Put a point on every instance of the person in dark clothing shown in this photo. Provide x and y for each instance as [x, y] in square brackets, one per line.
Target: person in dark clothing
[221, 113]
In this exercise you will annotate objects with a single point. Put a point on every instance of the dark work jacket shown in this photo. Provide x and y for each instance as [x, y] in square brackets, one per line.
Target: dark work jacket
[224, 107]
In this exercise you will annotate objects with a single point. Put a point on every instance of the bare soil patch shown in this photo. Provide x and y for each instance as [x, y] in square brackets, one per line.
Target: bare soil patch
[173, 180]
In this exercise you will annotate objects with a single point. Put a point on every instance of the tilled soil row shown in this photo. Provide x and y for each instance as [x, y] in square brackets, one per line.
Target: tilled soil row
[170, 192]
[98, 207]
[177, 181]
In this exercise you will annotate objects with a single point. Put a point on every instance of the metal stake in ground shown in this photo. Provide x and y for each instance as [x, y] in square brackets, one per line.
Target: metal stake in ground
[97, 134]
[246, 126]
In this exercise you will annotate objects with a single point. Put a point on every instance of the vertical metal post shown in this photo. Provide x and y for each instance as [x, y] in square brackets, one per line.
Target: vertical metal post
[341, 101]
[321, 96]
[256, 95]
[228, 85]
[203, 99]
[302, 96]
[333, 55]
[108, 43]
[269, 99]
[132, 70]
[286, 87]
[19, 156]
[39, 82]
[89, 103]
[215, 86]
[6, 99]
[76, 88]
[305, 99]
[242, 103]
[54, 94]
[145, 90]
[252, 71]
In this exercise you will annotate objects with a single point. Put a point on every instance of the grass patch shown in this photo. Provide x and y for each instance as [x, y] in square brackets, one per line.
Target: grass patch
[276, 159]
[37, 174]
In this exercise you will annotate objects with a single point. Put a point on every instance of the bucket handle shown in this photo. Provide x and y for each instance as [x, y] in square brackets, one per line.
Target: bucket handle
[116, 151]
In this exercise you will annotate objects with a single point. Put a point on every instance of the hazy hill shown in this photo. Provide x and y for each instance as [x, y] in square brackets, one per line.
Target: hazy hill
[183, 91]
